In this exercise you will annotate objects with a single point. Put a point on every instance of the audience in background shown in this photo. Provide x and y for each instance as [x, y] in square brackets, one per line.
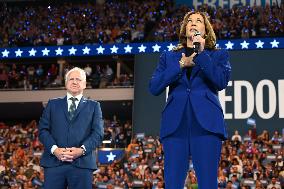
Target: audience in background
[87, 22]
[250, 161]
[255, 21]
[78, 22]
[247, 164]
[44, 76]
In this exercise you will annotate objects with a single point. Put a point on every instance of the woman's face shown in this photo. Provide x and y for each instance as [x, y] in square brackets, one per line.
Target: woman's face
[195, 23]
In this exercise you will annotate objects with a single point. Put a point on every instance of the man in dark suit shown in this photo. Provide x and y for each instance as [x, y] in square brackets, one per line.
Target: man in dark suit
[70, 129]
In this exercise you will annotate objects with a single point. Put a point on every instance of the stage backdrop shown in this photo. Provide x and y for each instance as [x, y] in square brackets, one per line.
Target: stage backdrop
[256, 90]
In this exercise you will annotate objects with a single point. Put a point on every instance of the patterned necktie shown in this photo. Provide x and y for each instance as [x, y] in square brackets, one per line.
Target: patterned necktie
[72, 108]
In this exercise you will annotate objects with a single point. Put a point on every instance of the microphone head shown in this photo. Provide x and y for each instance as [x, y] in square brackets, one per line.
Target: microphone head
[196, 33]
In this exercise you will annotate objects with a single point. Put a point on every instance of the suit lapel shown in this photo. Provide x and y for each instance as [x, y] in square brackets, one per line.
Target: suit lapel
[177, 59]
[184, 77]
[65, 108]
[194, 71]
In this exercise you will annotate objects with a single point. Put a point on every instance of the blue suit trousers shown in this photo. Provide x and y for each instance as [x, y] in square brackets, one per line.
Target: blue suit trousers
[67, 176]
[190, 140]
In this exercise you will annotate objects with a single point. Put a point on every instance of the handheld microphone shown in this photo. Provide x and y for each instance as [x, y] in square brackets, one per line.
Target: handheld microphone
[196, 45]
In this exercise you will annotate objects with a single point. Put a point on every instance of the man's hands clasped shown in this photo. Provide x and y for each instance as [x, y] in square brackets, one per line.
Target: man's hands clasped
[68, 154]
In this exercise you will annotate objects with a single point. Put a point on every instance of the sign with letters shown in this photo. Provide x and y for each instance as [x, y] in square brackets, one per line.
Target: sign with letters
[231, 3]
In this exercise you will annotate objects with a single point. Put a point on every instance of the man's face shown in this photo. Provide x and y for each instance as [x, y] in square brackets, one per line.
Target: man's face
[75, 84]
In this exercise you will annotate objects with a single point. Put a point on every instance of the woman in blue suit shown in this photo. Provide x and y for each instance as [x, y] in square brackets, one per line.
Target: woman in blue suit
[192, 122]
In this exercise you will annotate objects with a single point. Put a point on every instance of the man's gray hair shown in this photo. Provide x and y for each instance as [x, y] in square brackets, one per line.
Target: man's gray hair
[81, 71]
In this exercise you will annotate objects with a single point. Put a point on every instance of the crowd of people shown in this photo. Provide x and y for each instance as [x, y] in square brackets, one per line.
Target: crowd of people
[237, 22]
[247, 162]
[42, 76]
[252, 161]
[70, 22]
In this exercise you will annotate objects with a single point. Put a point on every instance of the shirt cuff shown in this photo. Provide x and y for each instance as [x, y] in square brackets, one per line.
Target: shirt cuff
[83, 146]
[53, 148]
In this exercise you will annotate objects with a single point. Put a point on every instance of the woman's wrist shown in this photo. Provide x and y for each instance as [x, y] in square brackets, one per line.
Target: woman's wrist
[181, 64]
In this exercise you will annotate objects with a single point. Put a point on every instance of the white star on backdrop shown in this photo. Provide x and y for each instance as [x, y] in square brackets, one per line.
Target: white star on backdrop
[135, 48]
[5, 53]
[244, 45]
[114, 49]
[274, 43]
[45, 52]
[142, 48]
[100, 50]
[156, 48]
[127, 49]
[229, 45]
[59, 51]
[259, 44]
[170, 47]
[18, 53]
[110, 157]
[86, 50]
[32, 52]
[72, 51]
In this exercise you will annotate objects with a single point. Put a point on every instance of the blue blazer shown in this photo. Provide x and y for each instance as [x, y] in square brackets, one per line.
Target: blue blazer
[86, 128]
[210, 75]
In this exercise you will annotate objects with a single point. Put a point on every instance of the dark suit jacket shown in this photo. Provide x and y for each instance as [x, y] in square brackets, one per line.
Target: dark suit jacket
[210, 75]
[86, 128]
